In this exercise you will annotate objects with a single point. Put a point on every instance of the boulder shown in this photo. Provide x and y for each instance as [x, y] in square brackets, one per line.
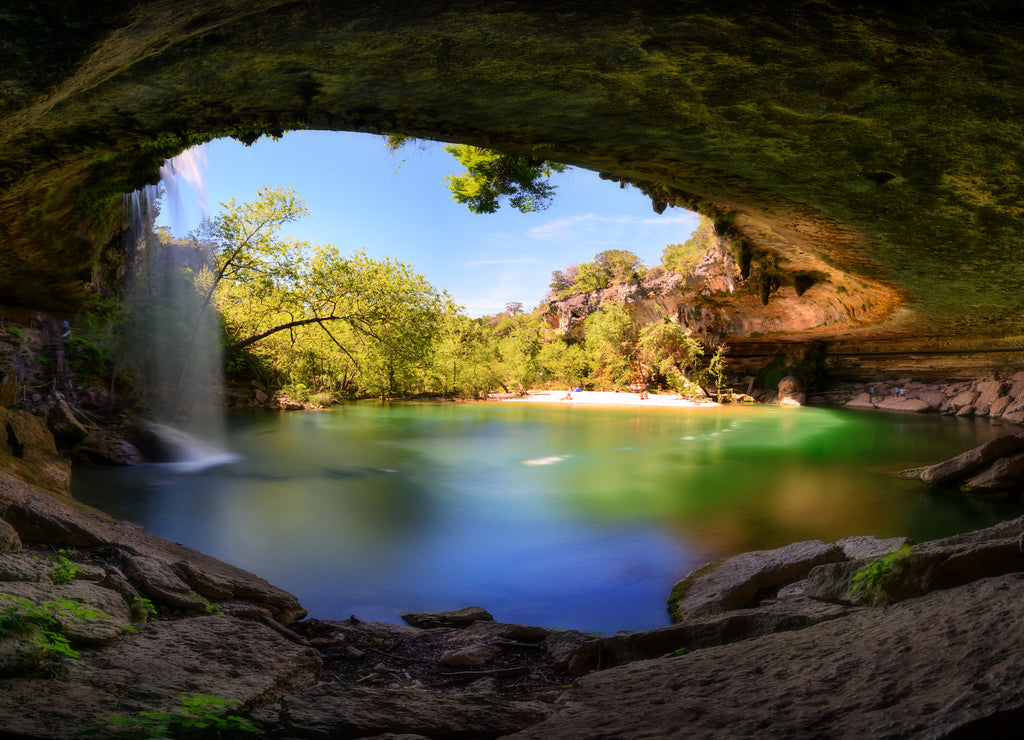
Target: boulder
[152, 669]
[107, 448]
[1017, 405]
[1004, 473]
[334, 710]
[744, 580]
[161, 443]
[930, 396]
[999, 406]
[458, 619]
[1016, 385]
[960, 400]
[788, 385]
[967, 463]
[61, 420]
[900, 403]
[988, 391]
[861, 401]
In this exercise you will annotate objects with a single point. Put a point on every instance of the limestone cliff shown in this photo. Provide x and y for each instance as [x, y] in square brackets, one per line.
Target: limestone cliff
[716, 301]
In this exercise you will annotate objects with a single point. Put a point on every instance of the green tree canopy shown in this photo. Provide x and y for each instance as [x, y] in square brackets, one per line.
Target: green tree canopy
[612, 344]
[683, 258]
[491, 176]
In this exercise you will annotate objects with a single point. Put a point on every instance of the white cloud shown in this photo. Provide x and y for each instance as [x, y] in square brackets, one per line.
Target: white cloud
[619, 227]
[524, 261]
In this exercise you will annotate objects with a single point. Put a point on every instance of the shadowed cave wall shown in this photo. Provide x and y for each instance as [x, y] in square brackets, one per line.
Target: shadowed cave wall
[877, 149]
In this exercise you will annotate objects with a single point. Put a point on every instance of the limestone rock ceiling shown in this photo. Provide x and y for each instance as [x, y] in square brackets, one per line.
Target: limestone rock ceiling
[879, 149]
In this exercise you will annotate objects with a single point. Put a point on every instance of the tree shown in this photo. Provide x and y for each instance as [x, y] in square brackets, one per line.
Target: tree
[612, 344]
[328, 320]
[491, 175]
[682, 360]
[608, 268]
[683, 258]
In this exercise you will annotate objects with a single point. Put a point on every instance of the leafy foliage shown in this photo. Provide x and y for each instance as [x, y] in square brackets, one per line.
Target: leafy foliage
[876, 575]
[197, 716]
[683, 258]
[491, 175]
[612, 337]
[63, 569]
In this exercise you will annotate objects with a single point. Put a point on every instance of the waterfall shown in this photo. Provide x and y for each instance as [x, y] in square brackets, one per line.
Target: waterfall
[173, 336]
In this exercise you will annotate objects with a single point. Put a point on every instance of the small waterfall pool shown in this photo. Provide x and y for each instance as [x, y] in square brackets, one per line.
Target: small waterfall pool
[561, 517]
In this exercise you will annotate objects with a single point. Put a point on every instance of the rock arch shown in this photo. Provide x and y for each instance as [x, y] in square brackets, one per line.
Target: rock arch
[882, 145]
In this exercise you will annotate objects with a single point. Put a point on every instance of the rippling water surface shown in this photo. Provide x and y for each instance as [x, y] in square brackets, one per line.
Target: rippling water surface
[549, 515]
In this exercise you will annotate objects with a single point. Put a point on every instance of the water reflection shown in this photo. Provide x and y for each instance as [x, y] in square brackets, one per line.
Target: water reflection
[554, 516]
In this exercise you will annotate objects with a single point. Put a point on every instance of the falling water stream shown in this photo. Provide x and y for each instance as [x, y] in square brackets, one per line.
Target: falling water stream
[177, 340]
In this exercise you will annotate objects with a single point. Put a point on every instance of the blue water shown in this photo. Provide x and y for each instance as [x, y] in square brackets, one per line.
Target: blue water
[556, 516]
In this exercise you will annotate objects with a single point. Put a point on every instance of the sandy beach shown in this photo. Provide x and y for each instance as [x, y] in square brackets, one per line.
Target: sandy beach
[602, 398]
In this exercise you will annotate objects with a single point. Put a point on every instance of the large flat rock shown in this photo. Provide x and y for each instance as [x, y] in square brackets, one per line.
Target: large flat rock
[948, 664]
[152, 669]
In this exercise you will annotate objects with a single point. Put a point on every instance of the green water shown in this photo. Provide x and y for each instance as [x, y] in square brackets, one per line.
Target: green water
[548, 515]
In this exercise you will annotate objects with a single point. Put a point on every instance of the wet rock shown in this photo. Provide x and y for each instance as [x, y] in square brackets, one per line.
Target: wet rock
[790, 392]
[337, 711]
[107, 448]
[963, 465]
[152, 669]
[460, 618]
[61, 420]
[743, 580]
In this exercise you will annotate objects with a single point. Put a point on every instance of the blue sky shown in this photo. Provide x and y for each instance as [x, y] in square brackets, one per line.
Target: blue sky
[361, 197]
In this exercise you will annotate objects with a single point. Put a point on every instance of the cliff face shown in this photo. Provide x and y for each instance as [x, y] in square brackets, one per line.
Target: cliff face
[879, 146]
[716, 301]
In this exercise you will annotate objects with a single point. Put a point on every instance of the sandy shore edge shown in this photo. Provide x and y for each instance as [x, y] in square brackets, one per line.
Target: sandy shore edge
[602, 398]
